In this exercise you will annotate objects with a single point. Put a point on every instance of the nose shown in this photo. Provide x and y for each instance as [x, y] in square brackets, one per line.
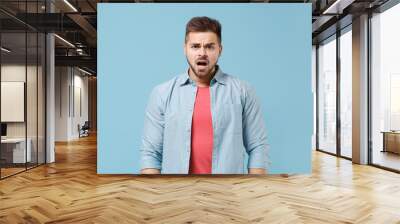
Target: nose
[203, 51]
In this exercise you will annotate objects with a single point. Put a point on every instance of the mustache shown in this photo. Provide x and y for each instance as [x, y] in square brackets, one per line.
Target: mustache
[202, 60]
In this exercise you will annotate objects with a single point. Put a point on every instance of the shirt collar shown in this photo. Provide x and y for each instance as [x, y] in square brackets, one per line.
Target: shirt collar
[218, 77]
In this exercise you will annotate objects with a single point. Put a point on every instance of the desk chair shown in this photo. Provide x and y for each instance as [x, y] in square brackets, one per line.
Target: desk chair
[84, 130]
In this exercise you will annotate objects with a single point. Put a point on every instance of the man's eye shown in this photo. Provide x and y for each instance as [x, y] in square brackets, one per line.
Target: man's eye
[195, 46]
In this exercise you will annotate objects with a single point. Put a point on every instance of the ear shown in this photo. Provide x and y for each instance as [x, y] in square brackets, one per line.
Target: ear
[184, 49]
[220, 50]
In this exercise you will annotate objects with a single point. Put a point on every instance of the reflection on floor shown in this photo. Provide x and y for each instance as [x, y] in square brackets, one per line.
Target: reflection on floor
[12, 168]
[386, 159]
[346, 152]
[10, 171]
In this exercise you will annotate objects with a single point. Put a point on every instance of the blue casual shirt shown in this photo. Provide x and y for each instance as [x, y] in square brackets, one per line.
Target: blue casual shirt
[237, 120]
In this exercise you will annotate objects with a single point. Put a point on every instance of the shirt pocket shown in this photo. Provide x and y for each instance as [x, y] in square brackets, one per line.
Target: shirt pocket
[230, 118]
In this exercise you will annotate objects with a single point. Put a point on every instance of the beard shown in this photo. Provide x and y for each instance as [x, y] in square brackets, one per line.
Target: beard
[203, 72]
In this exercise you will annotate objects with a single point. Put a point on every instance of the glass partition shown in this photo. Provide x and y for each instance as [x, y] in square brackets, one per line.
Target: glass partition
[22, 77]
[13, 109]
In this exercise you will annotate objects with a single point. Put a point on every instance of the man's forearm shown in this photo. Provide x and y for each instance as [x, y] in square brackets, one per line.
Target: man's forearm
[150, 171]
[257, 171]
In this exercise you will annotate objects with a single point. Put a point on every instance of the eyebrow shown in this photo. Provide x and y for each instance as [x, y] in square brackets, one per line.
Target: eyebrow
[209, 44]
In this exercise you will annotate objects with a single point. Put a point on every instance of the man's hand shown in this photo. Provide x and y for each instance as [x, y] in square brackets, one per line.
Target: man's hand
[150, 171]
[257, 171]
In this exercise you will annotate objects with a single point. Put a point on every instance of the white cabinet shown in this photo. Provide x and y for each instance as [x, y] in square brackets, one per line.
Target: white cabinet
[18, 149]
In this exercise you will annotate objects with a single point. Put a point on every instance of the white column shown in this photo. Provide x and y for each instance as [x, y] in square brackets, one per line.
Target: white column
[50, 110]
[50, 91]
[360, 90]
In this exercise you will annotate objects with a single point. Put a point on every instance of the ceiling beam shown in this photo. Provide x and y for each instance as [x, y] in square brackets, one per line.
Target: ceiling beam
[337, 6]
[85, 61]
[86, 26]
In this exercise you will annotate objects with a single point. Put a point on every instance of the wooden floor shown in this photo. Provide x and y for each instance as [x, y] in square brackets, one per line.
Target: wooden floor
[70, 191]
[5, 172]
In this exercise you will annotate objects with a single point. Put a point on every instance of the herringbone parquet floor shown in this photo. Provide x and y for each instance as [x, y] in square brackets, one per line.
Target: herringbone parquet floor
[70, 191]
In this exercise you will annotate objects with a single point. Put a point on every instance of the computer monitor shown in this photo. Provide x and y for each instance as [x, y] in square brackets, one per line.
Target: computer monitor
[3, 129]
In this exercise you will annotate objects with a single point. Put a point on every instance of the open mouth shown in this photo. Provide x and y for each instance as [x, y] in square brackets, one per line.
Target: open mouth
[202, 63]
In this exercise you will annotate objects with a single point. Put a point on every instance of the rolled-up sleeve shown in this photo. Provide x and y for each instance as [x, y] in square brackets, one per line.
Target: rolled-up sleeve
[152, 139]
[254, 131]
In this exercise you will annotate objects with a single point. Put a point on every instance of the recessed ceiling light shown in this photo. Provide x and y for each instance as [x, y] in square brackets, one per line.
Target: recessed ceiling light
[84, 71]
[70, 5]
[5, 50]
[338, 6]
[64, 40]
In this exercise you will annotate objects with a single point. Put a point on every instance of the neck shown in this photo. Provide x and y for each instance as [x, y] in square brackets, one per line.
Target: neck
[203, 82]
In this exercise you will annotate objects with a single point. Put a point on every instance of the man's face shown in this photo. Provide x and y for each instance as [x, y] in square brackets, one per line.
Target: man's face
[202, 51]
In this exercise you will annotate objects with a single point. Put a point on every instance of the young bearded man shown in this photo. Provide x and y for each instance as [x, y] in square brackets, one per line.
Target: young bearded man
[203, 121]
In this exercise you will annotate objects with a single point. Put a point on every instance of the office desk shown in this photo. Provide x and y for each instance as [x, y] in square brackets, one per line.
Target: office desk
[13, 150]
[391, 141]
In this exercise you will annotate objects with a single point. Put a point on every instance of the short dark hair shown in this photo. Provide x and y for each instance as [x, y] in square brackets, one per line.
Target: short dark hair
[203, 24]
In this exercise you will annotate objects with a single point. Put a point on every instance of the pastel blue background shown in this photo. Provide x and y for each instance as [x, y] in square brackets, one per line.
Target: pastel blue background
[141, 45]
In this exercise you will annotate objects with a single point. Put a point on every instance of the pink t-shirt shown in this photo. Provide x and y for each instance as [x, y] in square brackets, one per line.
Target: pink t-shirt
[202, 134]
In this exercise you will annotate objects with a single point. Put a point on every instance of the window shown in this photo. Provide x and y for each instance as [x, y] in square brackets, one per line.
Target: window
[327, 95]
[385, 88]
[346, 92]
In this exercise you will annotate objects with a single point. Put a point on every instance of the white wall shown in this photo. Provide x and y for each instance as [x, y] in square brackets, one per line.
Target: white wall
[62, 80]
[80, 110]
[71, 94]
